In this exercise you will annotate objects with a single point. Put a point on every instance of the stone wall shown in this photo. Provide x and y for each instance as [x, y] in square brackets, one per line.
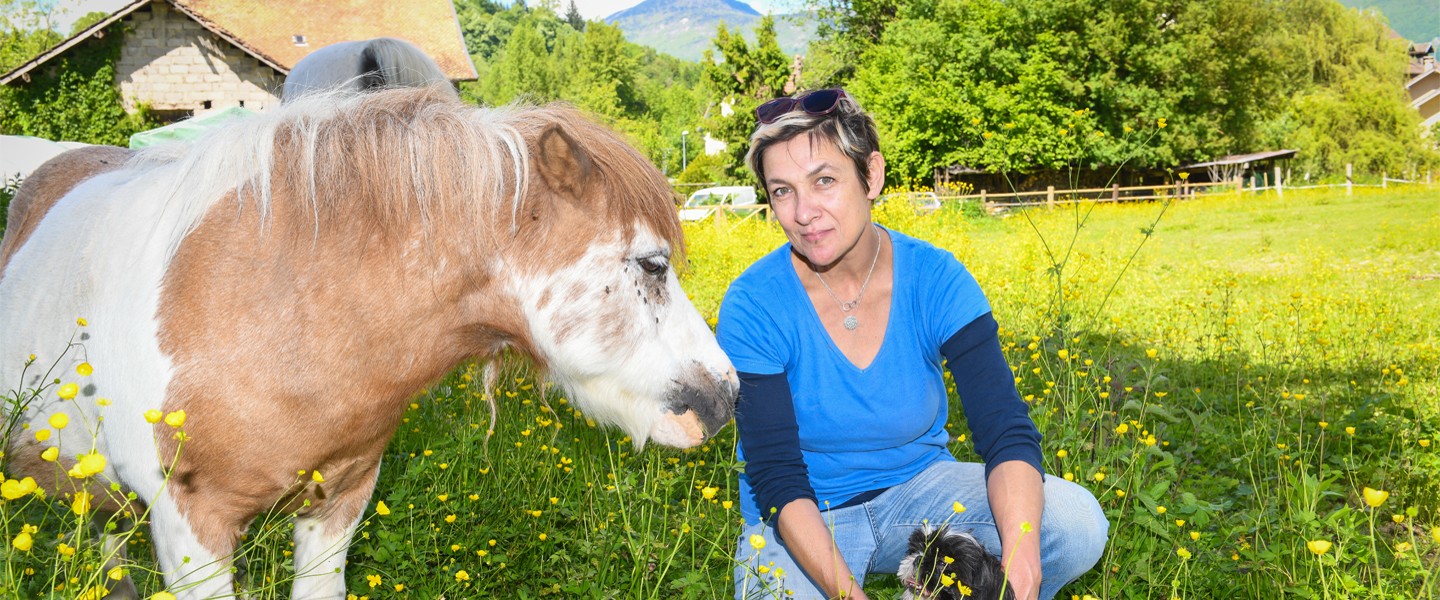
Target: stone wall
[173, 64]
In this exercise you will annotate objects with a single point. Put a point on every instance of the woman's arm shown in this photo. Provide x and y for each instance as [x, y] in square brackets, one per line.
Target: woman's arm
[1006, 438]
[1017, 497]
[808, 538]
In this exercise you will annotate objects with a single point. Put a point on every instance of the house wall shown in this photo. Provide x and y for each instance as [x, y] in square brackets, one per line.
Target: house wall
[1423, 84]
[173, 64]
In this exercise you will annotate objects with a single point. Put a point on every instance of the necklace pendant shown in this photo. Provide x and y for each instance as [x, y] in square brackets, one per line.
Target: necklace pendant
[851, 323]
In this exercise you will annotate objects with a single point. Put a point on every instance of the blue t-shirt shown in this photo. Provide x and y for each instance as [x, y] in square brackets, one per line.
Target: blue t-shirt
[859, 429]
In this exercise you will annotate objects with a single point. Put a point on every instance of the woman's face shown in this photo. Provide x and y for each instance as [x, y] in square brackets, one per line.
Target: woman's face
[819, 197]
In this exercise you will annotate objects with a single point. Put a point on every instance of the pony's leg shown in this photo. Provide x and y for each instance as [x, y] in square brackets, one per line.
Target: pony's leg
[322, 539]
[112, 546]
[191, 570]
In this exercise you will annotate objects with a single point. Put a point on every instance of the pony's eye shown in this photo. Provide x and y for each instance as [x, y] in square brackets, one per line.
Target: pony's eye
[654, 265]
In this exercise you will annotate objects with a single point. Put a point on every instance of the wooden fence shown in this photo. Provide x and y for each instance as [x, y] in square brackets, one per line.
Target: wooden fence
[1052, 197]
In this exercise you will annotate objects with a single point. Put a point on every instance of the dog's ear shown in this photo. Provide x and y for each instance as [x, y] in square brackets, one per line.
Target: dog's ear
[917, 541]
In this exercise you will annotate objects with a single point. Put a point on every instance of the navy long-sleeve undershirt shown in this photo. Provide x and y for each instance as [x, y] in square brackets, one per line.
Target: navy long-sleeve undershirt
[999, 420]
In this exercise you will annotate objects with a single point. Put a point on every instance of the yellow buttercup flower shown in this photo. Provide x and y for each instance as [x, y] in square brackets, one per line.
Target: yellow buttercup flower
[1061, 453]
[373, 580]
[1397, 518]
[59, 420]
[461, 575]
[23, 542]
[82, 322]
[65, 550]
[381, 509]
[81, 504]
[957, 507]
[84, 369]
[42, 435]
[1122, 429]
[1375, 497]
[67, 391]
[88, 465]
[14, 489]
[314, 475]
[153, 416]
[709, 492]
[175, 419]
[757, 541]
[1183, 553]
[163, 596]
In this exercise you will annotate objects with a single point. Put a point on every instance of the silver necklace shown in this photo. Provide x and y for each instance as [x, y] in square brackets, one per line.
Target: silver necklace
[851, 322]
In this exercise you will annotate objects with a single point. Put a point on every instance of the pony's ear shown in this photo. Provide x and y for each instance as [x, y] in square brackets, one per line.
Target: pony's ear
[563, 164]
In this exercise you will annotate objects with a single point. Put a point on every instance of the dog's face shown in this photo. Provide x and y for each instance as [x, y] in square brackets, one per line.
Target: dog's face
[946, 564]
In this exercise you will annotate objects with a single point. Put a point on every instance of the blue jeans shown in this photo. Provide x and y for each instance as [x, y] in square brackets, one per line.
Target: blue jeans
[872, 537]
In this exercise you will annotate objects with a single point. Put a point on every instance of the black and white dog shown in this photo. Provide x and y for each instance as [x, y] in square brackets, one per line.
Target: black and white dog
[944, 554]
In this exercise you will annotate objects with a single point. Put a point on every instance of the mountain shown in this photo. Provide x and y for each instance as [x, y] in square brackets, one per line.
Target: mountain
[1416, 20]
[684, 28]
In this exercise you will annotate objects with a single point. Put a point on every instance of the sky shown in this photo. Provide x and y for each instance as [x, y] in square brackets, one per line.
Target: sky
[590, 9]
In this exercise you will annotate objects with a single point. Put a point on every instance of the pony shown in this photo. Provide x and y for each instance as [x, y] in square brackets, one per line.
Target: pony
[364, 65]
[281, 288]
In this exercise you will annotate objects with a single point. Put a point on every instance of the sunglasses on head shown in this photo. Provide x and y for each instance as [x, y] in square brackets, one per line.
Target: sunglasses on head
[818, 102]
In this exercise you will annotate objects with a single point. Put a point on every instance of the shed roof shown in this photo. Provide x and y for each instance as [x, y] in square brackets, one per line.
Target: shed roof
[1239, 159]
[267, 30]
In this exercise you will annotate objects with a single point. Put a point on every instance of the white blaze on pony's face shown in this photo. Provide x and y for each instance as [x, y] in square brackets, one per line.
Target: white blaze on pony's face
[613, 326]
[620, 334]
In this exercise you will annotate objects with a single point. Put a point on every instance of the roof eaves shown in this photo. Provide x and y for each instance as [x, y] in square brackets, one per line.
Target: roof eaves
[227, 36]
[23, 70]
[1236, 159]
[459, 32]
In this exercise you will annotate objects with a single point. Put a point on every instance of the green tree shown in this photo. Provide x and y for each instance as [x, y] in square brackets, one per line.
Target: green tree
[25, 31]
[1346, 104]
[744, 77]
[573, 17]
[1010, 86]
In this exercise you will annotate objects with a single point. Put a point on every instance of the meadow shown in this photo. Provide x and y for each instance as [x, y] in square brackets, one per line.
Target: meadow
[1228, 375]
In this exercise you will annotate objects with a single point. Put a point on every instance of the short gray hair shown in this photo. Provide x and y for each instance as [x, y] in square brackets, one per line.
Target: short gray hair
[850, 128]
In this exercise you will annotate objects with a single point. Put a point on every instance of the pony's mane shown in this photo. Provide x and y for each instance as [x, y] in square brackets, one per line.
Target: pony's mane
[398, 157]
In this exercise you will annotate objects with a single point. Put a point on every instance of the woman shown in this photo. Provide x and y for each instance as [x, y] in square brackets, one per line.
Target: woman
[839, 337]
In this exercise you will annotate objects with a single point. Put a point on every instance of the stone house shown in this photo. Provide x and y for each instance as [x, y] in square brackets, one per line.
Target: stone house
[187, 57]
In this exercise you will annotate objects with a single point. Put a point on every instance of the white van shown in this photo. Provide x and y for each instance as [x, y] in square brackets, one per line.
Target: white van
[703, 203]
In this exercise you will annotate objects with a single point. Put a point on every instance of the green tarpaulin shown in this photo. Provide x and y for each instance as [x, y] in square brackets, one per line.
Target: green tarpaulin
[187, 129]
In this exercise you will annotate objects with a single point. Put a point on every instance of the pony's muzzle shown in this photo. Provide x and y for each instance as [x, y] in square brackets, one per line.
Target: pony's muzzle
[697, 409]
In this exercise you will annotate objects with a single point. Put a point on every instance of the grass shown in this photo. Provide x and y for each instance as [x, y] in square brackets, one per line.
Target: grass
[1227, 393]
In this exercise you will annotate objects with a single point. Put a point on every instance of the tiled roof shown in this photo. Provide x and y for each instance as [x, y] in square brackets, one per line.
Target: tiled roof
[268, 29]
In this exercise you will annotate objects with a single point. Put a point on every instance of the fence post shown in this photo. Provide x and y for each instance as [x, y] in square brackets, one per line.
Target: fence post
[982, 197]
[1239, 183]
[1114, 192]
[1384, 180]
[1349, 180]
[1049, 196]
[1279, 186]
